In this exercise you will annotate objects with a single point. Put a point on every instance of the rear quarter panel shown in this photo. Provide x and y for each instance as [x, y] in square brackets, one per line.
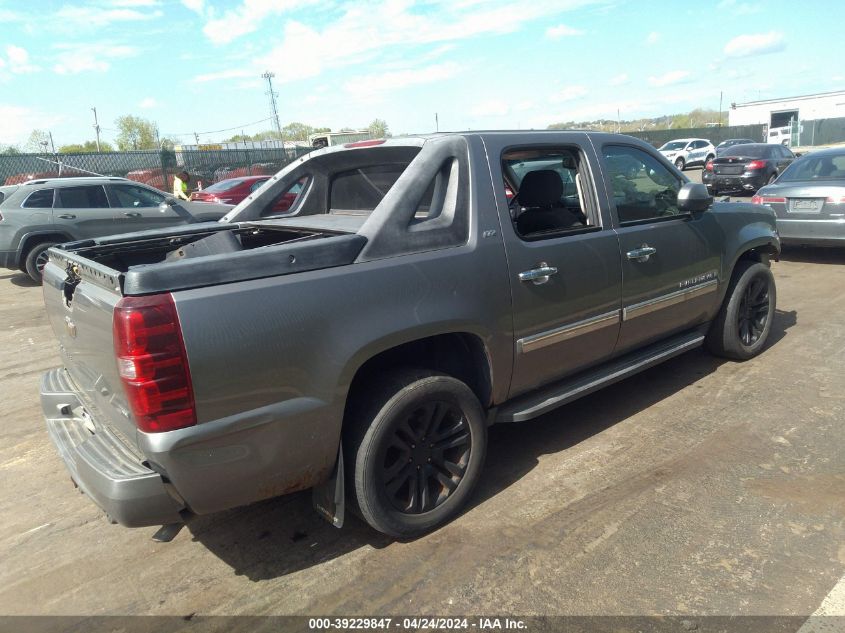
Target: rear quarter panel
[272, 360]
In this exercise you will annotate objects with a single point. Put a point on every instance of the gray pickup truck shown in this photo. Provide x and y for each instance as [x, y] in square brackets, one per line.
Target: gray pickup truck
[417, 291]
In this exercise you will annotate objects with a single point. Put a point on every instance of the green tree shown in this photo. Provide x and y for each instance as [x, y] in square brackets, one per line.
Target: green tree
[135, 132]
[10, 150]
[88, 147]
[295, 131]
[169, 143]
[378, 128]
[35, 143]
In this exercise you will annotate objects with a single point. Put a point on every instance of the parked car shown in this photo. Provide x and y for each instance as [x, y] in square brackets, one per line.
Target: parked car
[809, 199]
[686, 152]
[363, 343]
[38, 214]
[746, 167]
[721, 147]
[235, 190]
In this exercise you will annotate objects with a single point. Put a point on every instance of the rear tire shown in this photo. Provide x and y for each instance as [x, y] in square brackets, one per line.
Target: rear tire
[744, 321]
[414, 447]
[36, 259]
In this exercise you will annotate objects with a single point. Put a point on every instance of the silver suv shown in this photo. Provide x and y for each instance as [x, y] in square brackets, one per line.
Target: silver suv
[41, 213]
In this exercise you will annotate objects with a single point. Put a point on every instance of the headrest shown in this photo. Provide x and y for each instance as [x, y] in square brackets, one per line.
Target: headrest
[540, 188]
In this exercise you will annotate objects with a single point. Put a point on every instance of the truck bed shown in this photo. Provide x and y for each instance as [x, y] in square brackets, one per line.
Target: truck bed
[213, 253]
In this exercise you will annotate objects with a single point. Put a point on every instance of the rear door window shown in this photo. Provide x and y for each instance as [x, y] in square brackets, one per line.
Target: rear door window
[41, 199]
[90, 197]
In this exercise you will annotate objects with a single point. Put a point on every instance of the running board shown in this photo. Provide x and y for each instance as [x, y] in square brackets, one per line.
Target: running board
[536, 404]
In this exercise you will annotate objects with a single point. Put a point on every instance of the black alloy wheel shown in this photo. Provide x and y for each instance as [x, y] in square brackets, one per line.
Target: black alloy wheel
[744, 321]
[414, 445]
[753, 313]
[426, 458]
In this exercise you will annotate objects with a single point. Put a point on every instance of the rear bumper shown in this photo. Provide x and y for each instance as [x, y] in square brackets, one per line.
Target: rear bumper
[741, 182]
[107, 470]
[818, 232]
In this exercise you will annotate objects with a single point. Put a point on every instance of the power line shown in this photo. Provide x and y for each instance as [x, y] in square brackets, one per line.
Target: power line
[228, 129]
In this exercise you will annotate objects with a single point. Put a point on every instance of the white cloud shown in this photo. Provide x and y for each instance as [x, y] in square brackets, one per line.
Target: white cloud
[97, 17]
[619, 80]
[18, 60]
[197, 6]
[739, 8]
[77, 58]
[17, 122]
[652, 38]
[355, 36]
[570, 93]
[148, 103]
[562, 30]
[244, 19]
[490, 108]
[755, 44]
[670, 78]
[374, 87]
[233, 73]
[134, 3]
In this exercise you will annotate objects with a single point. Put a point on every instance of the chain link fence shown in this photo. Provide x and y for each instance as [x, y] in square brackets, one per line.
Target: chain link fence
[714, 134]
[155, 168]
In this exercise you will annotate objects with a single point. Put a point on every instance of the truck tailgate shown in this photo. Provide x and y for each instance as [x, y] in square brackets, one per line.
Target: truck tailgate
[81, 318]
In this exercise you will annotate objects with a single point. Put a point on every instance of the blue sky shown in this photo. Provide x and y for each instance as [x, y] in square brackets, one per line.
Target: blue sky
[195, 65]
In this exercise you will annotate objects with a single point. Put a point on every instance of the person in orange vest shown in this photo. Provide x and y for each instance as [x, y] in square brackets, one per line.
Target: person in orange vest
[180, 185]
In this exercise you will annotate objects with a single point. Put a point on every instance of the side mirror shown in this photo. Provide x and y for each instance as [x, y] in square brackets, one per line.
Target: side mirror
[694, 198]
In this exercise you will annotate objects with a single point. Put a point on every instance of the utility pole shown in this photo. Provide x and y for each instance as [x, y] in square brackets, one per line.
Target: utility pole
[720, 108]
[436, 123]
[273, 110]
[52, 146]
[96, 128]
[197, 139]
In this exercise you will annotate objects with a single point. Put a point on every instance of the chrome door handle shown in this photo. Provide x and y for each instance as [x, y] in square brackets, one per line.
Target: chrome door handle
[642, 253]
[67, 216]
[132, 214]
[539, 275]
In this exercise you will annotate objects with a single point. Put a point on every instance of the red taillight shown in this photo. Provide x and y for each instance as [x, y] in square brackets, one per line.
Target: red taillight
[755, 164]
[152, 363]
[830, 200]
[767, 200]
[377, 141]
[709, 165]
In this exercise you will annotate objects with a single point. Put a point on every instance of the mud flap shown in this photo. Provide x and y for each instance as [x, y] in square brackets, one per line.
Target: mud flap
[328, 498]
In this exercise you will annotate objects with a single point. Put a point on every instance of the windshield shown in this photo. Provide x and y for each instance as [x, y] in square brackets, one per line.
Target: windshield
[751, 151]
[826, 167]
[674, 145]
[225, 185]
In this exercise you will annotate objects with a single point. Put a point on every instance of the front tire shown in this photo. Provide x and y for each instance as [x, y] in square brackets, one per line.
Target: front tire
[745, 318]
[36, 259]
[679, 163]
[414, 449]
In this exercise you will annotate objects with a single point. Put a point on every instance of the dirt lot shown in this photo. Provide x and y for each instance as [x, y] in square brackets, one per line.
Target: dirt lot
[697, 487]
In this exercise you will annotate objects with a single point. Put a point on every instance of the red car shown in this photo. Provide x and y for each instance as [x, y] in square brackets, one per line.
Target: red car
[234, 190]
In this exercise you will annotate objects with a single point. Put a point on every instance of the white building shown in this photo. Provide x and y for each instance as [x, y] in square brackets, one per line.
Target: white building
[776, 113]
